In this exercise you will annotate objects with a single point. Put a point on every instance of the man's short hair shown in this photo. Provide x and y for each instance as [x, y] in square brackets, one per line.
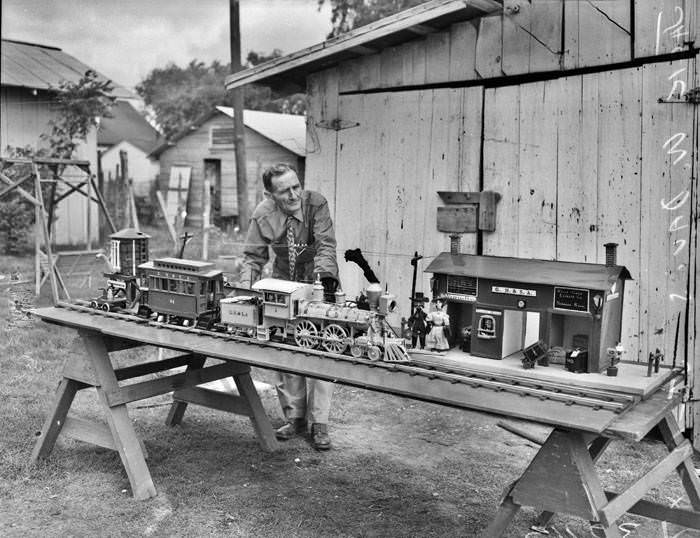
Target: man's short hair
[277, 170]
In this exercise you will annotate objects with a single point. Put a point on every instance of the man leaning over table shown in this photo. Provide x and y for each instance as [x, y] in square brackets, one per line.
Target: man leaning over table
[296, 224]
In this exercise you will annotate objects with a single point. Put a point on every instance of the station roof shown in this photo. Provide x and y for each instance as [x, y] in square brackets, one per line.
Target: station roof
[548, 272]
[289, 72]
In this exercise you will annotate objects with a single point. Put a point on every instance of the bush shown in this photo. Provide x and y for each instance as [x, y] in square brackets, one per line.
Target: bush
[16, 224]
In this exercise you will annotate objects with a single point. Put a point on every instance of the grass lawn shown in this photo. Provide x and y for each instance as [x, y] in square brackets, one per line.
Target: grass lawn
[398, 467]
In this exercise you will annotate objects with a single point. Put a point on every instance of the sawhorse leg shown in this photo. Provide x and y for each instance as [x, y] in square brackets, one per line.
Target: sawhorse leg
[65, 393]
[560, 478]
[246, 403]
[97, 371]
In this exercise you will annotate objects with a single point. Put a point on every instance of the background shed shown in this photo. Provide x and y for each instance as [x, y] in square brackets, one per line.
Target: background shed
[207, 148]
[30, 73]
[582, 115]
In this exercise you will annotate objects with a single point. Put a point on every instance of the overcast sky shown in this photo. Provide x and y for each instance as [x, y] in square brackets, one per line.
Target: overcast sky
[125, 39]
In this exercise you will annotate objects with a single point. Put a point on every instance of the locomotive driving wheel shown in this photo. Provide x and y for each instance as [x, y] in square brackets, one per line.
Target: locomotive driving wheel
[374, 353]
[306, 334]
[334, 338]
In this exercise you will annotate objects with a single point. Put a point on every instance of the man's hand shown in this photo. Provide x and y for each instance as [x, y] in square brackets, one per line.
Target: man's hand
[330, 285]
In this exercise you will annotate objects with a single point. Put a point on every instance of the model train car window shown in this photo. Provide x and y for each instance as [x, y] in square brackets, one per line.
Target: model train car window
[172, 285]
[202, 288]
[189, 288]
[486, 327]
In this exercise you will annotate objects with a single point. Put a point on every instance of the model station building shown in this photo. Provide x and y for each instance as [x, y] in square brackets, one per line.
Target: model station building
[511, 303]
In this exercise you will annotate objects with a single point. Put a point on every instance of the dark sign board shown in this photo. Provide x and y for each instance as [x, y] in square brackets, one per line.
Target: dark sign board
[457, 219]
[571, 299]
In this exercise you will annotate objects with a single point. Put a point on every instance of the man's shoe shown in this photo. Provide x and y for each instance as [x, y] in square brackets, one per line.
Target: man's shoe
[291, 429]
[319, 436]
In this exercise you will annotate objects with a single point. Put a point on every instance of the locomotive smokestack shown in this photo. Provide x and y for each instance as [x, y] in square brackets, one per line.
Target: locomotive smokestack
[610, 254]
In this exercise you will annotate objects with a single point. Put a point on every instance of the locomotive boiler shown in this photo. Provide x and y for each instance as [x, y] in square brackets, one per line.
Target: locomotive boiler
[297, 312]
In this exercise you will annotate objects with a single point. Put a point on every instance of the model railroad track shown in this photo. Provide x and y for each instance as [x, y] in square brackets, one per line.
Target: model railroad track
[427, 367]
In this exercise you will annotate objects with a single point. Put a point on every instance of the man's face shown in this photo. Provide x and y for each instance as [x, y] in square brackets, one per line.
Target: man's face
[286, 192]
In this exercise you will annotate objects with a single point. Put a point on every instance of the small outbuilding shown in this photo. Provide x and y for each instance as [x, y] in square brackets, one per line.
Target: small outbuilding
[205, 150]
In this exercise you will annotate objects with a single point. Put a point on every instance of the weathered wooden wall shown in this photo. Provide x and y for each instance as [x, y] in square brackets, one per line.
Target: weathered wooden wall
[194, 148]
[23, 118]
[580, 160]
[528, 37]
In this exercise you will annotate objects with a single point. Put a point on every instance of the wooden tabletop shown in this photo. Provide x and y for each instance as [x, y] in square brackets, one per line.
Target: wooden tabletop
[416, 383]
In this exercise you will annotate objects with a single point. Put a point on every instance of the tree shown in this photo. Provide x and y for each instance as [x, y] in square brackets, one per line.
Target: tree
[180, 96]
[79, 105]
[347, 15]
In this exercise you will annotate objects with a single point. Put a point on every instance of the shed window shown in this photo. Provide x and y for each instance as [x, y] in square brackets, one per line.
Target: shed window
[220, 136]
[465, 285]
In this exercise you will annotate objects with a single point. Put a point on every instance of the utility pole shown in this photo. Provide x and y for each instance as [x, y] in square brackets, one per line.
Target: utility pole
[237, 95]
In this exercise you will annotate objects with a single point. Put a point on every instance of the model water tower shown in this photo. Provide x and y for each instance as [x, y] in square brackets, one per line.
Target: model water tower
[128, 249]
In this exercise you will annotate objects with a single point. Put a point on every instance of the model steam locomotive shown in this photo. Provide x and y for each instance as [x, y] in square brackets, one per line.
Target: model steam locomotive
[194, 293]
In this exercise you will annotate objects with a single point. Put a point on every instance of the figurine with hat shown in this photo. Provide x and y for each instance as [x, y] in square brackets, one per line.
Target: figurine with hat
[417, 322]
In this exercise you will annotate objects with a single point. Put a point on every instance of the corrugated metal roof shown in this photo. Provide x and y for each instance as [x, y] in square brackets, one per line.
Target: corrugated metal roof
[40, 67]
[578, 275]
[289, 72]
[288, 130]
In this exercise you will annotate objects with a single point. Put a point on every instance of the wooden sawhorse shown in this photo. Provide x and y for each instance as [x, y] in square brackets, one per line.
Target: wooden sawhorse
[96, 370]
[562, 476]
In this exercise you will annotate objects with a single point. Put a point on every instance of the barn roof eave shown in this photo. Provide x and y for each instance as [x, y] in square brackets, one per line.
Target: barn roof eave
[289, 72]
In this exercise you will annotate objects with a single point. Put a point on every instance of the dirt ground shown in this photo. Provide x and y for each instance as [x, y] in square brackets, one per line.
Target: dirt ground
[398, 467]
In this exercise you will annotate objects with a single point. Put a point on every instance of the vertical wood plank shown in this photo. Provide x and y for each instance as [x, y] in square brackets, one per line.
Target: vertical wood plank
[531, 36]
[462, 51]
[321, 141]
[501, 166]
[667, 249]
[437, 48]
[597, 33]
[419, 68]
[537, 185]
[661, 26]
[619, 175]
[349, 76]
[369, 73]
[353, 171]
[577, 135]
[489, 47]
[390, 67]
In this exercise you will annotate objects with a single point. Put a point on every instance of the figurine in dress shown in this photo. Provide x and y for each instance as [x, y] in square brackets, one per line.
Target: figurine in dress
[439, 322]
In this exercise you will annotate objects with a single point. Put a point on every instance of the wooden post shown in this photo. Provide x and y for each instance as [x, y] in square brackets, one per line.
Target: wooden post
[45, 233]
[88, 218]
[37, 249]
[238, 127]
[123, 189]
[205, 218]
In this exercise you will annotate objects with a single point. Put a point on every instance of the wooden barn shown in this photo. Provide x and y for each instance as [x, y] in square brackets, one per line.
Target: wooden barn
[206, 149]
[582, 116]
[30, 73]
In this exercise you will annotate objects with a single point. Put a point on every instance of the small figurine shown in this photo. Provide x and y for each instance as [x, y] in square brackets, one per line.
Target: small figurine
[439, 320]
[417, 322]
[467, 339]
[654, 360]
[614, 354]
